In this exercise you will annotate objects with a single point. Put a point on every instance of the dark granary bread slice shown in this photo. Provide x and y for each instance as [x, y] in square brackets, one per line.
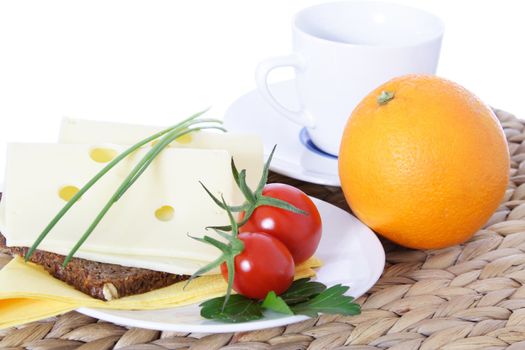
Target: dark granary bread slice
[101, 281]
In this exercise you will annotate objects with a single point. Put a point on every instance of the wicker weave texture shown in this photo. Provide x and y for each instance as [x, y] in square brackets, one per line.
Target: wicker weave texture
[464, 297]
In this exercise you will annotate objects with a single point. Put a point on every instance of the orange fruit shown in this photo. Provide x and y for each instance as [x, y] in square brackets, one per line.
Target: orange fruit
[423, 162]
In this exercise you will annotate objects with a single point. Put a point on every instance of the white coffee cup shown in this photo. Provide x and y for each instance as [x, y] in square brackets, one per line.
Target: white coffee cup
[342, 51]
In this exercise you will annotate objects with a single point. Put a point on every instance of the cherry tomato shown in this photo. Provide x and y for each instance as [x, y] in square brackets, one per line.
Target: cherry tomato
[300, 233]
[264, 265]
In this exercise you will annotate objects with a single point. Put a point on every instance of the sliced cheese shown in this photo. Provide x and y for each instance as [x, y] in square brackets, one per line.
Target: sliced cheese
[131, 231]
[247, 150]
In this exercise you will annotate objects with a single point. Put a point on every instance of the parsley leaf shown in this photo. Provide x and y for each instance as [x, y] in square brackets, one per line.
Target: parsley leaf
[276, 303]
[330, 301]
[302, 290]
[304, 297]
[237, 309]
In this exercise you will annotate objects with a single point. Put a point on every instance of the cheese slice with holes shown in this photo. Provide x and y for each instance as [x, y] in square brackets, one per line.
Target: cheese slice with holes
[148, 227]
[246, 149]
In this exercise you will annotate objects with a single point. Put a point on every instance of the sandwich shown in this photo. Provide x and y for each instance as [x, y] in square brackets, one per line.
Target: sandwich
[146, 241]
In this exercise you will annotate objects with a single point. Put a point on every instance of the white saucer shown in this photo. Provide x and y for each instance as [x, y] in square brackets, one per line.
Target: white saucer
[296, 156]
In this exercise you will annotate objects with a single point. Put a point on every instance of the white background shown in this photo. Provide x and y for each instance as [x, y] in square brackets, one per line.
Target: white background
[155, 61]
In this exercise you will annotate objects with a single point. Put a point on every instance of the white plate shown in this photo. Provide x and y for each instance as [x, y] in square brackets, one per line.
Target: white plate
[352, 255]
[296, 156]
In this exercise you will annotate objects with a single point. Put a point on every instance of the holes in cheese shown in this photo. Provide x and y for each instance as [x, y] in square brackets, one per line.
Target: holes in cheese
[154, 143]
[67, 192]
[102, 155]
[165, 213]
[184, 139]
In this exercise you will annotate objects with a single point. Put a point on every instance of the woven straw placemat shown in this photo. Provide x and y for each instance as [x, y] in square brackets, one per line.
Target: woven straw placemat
[464, 297]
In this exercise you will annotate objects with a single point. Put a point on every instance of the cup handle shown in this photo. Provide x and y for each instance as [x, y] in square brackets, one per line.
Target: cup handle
[261, 78]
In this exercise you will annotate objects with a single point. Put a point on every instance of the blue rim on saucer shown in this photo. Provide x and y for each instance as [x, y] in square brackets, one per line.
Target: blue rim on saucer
[306, 140]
